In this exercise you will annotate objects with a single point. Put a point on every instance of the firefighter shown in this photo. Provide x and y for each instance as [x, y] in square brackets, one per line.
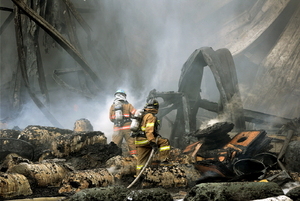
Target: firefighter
[120, 114]
[148, 138]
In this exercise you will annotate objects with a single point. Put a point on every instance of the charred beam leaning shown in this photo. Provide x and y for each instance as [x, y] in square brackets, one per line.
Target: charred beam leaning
[6, 22]
[22, 59]
[59, 39]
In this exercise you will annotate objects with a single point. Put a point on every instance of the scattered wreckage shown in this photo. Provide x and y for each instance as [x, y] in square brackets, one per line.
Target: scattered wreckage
[68, 162]
[81, 162]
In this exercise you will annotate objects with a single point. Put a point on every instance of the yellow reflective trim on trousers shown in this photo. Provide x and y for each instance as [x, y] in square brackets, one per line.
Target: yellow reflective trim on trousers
[138, 167]
[141, 142]
[149, 124]
[143, 128]
[164, 148]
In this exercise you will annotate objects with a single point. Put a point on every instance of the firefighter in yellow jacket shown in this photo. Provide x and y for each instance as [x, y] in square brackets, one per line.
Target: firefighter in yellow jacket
[120, 114]
[149, 138]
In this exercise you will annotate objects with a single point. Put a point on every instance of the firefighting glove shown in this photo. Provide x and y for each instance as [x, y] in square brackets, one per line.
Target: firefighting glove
[154, 146]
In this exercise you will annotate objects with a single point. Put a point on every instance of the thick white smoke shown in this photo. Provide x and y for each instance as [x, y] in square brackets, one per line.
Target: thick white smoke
[136, 46]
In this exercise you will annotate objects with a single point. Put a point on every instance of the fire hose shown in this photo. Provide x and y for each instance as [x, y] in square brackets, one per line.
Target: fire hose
[141, 172]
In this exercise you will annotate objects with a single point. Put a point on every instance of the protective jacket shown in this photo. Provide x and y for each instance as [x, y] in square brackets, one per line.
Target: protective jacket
[150, 127]
[128, 111]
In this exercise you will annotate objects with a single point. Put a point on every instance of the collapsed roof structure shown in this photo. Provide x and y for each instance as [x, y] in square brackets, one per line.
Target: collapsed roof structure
[262, 39]
[261, 35]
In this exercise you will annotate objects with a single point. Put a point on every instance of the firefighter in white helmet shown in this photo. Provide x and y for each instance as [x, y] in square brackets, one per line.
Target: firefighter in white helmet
[121, 112]
[149, 138]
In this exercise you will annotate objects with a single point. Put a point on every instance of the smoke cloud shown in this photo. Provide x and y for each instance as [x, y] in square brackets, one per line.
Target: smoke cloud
[135, 45]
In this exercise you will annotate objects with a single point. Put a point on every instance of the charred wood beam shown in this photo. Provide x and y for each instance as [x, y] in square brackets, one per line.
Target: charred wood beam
[292, 125]
[164, 111]
[22, 59]
[169, 121]
[41, 73]
[216, 129]
[191, 75]
[223, 68]
[169, 97]
[289, 136]
[178, 102]
[259, 117]
[83, 83]
[15, 88]
[178, 129]
[213, 61]
[32, 44]
[285, 145]
[81, 77]
[164, 95]
[250, 115]
[72, 32]
[78, 17]
[63, 84]
[6, 22]
[231, 86]
[6, 9]
[87, 10]
[186, 115]
[208, 105]
[59, 39]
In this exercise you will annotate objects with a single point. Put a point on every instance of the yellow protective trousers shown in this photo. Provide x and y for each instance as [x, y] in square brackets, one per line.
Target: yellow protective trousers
[144, 150]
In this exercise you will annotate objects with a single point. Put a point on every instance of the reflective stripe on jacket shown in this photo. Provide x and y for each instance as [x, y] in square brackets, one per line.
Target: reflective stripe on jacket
[141, 142]
[125, 127]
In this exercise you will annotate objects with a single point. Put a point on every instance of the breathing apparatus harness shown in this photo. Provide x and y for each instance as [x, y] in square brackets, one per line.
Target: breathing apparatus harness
[135, 126]
[119, 117]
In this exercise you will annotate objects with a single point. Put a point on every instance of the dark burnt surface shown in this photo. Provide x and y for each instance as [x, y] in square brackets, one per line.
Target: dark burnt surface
[40, 192]
[9, 133]
[216, 129]
[93, 156]
[215, 136]
[20, 147]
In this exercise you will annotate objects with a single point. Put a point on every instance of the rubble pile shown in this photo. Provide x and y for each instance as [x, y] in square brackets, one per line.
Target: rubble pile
[61, 142]
[234, 191]
[13, 185]
[177, 176]
[41, 174]
[78, 180]
[81, 164]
